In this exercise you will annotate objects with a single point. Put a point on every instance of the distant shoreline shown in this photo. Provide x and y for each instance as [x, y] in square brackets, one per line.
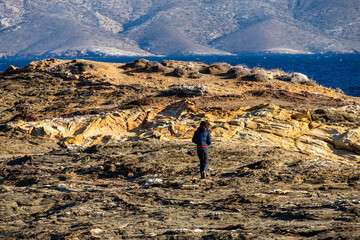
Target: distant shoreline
[176, 56]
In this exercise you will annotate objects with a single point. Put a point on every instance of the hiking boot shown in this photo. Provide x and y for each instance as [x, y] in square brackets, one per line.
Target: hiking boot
[203, 175]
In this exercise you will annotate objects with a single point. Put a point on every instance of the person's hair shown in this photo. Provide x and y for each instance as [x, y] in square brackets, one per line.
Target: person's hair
[204, 126]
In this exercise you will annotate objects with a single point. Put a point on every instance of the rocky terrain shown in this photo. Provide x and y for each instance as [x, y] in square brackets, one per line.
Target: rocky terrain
[77, 28]
[93, 150]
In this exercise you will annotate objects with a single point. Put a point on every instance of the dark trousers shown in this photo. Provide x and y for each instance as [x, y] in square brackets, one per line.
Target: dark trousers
[203, 154]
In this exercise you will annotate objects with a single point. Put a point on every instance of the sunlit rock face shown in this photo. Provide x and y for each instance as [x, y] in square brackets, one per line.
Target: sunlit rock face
[266, 124]
[84, 103]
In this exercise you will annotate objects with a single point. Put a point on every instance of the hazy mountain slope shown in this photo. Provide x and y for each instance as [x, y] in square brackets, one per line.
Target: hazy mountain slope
[134, 27]
[175, 28]
[273, 35]
[65, 27]
[339, 18]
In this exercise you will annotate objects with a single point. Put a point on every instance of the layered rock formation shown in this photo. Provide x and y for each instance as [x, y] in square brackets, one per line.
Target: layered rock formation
[124, 130]
[266, 124]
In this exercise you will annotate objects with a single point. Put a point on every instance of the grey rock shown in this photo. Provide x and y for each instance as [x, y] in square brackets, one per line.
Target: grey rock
[301, 79]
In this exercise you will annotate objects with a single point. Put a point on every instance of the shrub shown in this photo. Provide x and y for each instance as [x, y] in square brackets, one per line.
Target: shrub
[259, 75]
[259, 78]
[218, 68]
[239, 71]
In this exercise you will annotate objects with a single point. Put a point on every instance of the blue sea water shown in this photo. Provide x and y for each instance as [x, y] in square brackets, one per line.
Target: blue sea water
[330, 70]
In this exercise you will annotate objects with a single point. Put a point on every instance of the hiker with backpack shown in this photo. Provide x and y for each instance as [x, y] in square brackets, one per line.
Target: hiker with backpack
[202, 139]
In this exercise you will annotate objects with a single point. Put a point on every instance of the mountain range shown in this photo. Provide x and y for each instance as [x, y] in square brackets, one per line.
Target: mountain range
[73, 28]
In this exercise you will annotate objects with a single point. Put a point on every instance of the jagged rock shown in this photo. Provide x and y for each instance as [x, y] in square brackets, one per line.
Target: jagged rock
[304, 117]
[333, 117]
[349, 140]
[11, 69]
[265, 123]
[85, 130]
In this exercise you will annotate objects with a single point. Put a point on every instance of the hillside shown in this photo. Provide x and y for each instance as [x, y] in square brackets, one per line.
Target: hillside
[118, 28]
[93, 150]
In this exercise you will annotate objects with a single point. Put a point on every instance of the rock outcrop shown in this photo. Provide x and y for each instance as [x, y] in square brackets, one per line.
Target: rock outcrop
[84, 142]
[265, 124]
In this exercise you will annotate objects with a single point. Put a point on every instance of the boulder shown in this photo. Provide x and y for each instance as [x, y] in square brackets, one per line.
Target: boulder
[140, 63]
[152, 66]
[137, 64]
[350, 140]
[300, 78]
[179, 72]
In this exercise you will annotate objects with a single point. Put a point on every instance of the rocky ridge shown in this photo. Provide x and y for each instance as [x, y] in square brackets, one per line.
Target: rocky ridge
[103, 150]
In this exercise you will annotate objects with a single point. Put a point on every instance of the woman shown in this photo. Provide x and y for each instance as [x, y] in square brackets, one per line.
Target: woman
[202, 139]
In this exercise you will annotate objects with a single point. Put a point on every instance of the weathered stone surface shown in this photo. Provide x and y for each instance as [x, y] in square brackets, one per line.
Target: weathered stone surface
[301, 79]
[179, 120]
[96, 150]
[349, 140]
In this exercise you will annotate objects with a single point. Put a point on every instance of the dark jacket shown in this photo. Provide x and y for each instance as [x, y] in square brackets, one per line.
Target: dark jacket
[202, 139]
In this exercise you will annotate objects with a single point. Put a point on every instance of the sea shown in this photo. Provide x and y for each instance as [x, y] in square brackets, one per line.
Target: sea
[340, 71]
